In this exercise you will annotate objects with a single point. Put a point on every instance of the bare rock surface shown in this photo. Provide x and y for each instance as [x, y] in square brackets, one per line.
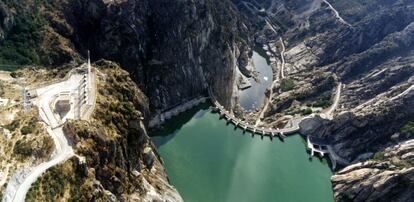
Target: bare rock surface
[389, 177]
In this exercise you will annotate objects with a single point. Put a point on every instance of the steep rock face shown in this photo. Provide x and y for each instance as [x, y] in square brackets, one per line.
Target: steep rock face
[368, 46]
[370, 51]
[6, 20]
[376, 109]
[173, 49]
[389, 177]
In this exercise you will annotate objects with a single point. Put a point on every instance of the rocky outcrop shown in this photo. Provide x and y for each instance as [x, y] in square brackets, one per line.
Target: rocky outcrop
[388, 177]
[372, 56]
[115, 159]
[313, 125]
[377, 111]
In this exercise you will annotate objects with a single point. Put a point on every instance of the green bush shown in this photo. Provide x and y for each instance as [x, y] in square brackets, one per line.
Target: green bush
[27, 129]
[13, 125]
[379, 156]
[408, 129]
[1, 89]
[287, 85]
[306, 111]
[322, 103]
[22, 41]
[22, 148]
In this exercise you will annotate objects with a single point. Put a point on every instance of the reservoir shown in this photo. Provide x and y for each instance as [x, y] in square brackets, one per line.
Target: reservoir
[253, 97]
[208, 160]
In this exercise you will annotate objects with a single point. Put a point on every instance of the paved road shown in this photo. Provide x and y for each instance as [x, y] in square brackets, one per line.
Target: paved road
[20, 184]
[282, 56]
[336, 100]
[63, 152]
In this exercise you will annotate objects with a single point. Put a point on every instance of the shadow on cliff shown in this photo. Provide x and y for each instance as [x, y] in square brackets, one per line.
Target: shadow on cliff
[168, 131]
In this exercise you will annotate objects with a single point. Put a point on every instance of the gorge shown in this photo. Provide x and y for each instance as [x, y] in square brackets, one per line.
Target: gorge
[340, 73]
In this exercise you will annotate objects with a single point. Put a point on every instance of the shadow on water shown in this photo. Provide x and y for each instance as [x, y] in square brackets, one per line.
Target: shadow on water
[170, 128]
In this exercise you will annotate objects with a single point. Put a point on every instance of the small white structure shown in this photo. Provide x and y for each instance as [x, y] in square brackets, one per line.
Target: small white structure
[3, 102]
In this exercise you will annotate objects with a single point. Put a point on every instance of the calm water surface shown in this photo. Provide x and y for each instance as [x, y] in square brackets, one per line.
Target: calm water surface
[253, 97]
[209, 161]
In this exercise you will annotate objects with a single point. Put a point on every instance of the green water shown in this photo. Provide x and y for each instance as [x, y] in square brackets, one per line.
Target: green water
[208, 160]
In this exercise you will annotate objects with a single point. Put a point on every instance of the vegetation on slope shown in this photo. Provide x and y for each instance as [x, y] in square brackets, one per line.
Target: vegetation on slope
[28, 37]
[111, 160]
[408, 129]
[21, 43]
[287, 84]
[59, 183]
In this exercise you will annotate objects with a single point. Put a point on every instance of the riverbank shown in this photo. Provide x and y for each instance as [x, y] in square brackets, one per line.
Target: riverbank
[252, 98]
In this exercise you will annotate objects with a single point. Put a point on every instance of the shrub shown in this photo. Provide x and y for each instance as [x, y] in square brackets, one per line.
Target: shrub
[16, 74]
[1, 89]
[22, 148]
[322, 103]
[408, 129]
[306, 111]
[21, 43]
[13, 125]
[379, 156]
[287, 85]
[27, 129]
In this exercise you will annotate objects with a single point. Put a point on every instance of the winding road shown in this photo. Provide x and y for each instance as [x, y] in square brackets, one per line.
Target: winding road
[337, 13]
[20, 182]
[336, 101]
[282, 56]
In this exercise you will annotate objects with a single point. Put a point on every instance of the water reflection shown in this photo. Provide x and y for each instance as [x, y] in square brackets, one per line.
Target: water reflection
[253, 97]
[208, 160]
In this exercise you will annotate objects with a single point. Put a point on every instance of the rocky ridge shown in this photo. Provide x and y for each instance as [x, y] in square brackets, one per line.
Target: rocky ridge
[371, 55]
[388, 177]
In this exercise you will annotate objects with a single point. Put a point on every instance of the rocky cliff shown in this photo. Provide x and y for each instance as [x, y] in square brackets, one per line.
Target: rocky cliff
[173, 49]
[368, 47]
[388, 177]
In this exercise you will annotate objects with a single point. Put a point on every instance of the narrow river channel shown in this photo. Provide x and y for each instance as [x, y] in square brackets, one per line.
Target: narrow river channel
[253, 97]
[208, 160]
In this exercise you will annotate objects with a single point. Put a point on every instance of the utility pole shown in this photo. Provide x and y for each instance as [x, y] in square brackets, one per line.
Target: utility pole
[89, 80]
[89, 71]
